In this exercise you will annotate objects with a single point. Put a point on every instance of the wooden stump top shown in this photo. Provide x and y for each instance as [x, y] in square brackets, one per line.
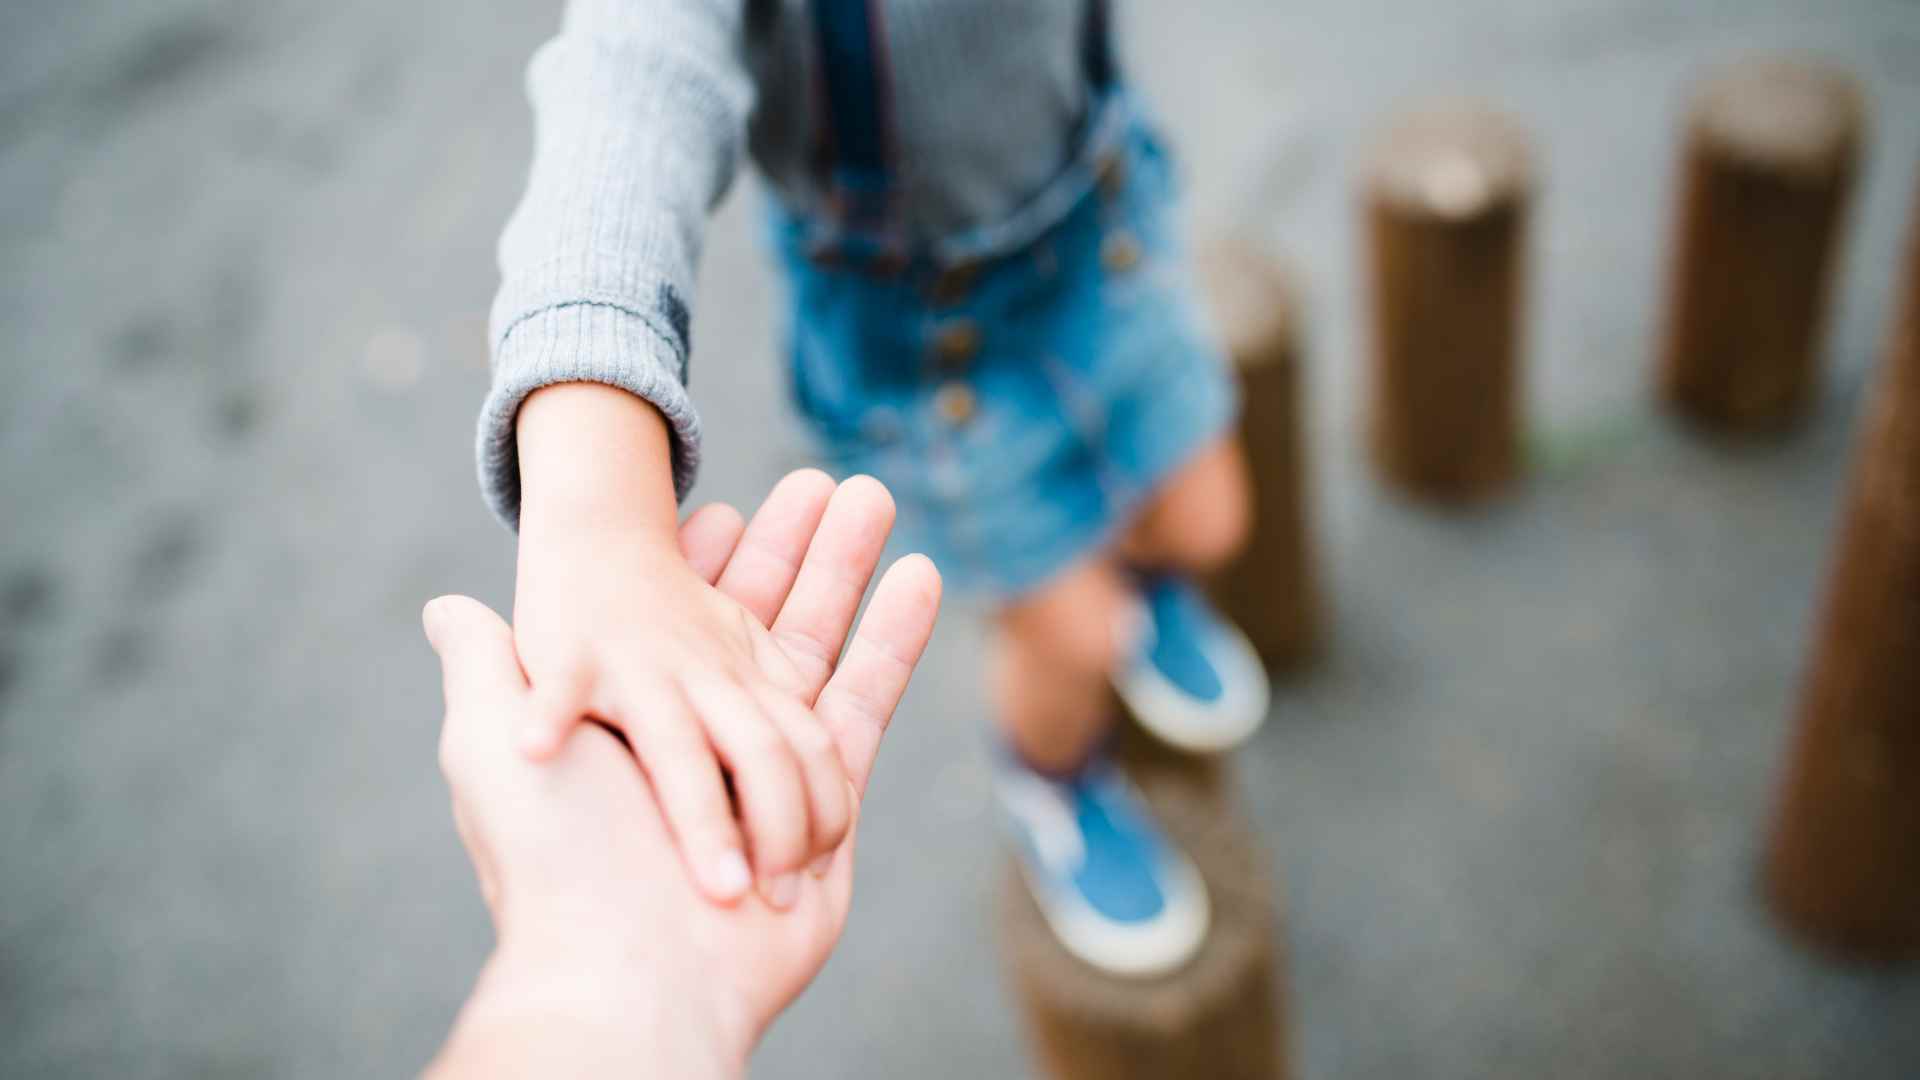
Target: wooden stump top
[1788, 114]
[1452, 161]
[1251, 298]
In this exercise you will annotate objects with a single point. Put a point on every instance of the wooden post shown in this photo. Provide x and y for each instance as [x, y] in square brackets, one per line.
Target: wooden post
[1446, 198]
[1772, 148]
[1843, 867]
[1222, 1016]
[1269, 591]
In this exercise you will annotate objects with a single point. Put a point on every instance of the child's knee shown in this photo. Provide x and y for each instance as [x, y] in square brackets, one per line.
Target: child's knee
[1059, 648]
[1069, 628]
[1216, 531]
[1206, 517]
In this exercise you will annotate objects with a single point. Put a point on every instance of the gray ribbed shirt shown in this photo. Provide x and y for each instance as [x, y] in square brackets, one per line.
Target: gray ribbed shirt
[642, 109]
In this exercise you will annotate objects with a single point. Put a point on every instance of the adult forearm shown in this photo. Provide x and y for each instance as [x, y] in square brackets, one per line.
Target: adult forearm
[527, 1020]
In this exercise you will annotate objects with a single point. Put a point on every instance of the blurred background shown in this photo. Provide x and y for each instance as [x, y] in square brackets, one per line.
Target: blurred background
[248, 256]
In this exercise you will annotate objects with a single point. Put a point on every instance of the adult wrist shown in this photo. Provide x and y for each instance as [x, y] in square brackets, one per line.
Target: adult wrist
[593, 1010]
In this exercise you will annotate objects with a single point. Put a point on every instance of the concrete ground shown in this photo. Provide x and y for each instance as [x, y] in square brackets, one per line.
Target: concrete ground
[247, 260]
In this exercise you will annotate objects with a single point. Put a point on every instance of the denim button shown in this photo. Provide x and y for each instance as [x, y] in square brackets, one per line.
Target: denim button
[1120, 251]
[952, 284]
[956, 403]
[1112, 175]
[956, 343]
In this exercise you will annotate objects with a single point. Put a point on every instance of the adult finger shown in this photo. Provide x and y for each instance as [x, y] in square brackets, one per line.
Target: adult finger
[829, 807]
[813, 623]
[708, 537]
[768, 556]
[478, 662]
[674, 753]
[859, 700]
[480, 856]
[767, 785]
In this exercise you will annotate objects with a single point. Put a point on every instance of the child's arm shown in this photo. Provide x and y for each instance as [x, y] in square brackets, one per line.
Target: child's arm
[588, 435]
[640, 113]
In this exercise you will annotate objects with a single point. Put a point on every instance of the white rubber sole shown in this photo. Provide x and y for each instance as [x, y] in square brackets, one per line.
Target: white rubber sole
[1144, 951]
[1176, 718]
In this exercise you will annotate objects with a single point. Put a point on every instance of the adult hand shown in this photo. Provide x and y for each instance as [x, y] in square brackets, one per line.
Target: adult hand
[608, 956]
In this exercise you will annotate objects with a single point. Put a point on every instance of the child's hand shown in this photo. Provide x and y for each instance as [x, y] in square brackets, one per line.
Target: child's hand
[613, 621]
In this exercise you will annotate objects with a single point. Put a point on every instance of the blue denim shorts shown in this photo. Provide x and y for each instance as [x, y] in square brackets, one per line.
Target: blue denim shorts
[1020, 406]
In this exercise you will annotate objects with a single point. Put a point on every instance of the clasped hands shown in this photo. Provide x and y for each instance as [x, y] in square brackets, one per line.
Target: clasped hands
[613, 952]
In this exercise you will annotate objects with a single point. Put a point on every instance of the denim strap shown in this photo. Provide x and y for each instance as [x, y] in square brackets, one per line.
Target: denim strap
[1096, 46]
[856, 139]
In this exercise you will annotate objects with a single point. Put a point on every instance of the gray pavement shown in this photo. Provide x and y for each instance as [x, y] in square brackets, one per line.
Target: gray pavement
[247, 261]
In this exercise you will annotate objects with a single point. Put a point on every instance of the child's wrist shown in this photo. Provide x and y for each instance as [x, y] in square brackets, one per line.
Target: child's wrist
[595, 463]
[574, 531]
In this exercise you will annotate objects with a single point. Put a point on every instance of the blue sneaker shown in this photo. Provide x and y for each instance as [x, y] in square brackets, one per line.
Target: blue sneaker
[1115, 890]
[1192, 678]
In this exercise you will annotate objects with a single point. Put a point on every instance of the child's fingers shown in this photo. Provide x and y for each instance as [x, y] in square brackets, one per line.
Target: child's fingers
[767, 784]
[813, 623]
[559, 704]
[673, 750]
[830, 810]
[708, 537]
[768, 556]
[859, 700]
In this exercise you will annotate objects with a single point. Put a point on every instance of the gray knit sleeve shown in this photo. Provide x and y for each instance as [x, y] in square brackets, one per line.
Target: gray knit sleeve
[639, 110]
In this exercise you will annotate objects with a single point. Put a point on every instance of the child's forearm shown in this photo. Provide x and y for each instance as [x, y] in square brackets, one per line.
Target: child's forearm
[640, 116]
[595, 465]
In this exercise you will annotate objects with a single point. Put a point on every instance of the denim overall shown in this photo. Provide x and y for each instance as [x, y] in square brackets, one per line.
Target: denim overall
[1020, 388]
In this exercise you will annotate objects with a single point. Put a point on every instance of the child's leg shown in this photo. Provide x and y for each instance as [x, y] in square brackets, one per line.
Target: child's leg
[1116, 890]
[1053, 651]
[1200, 518]
[1193, 679]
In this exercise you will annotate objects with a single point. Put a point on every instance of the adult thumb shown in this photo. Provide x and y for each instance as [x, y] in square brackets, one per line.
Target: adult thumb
[475, 645]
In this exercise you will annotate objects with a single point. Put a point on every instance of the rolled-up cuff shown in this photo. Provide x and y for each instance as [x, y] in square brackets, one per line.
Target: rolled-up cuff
[583, 342]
